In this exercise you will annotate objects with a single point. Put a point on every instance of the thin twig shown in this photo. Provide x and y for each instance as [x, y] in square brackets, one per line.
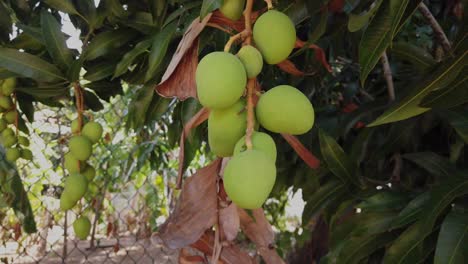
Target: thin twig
[269, 4]
[438, 31]
[233, 39]
[388, 76]
[248, 21]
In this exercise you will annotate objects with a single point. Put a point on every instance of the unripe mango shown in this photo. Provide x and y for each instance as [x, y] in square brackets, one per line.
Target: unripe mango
[8, 86]
[3, 124]
[252, 60]
[76, 186]
[80, 147]
[9, 141]
[71, 164]
[232, 9]
[81, 227]
[8, 132]
[249, 178]
[285, 109]
[75, 126]
[220, 79]
[10, 117]
[66, 203]
[89, 172]
[23, 141]
[6, 102]
[12, 154]
[93, 131]
[226, 127]
[261, 142]
[26, 154]
[275, 36]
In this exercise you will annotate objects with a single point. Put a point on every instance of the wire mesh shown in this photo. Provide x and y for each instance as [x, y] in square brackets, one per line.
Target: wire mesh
[125, 201]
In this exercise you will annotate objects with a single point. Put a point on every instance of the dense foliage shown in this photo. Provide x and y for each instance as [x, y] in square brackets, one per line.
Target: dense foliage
[388, 86]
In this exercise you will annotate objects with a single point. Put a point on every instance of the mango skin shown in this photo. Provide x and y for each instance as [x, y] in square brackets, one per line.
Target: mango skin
[71, 164]
[81, 227]
[89, 172]
[93, 131]
[66, 203]
[10, 117]
[80, 147]
[275, 36]
[261, 142]
[232, 9]
[26, 154]
[285, 109]
[76, 186]
[249, 178]
[226, 127]
[252, 60]
[221, 80]
[12, 154]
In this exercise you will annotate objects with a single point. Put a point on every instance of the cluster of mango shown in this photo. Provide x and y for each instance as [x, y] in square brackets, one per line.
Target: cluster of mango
[221, 79]
[15, 145]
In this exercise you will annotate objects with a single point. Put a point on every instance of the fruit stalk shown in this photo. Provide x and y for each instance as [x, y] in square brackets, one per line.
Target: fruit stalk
[250, 113]
[248, 22]
[79, 105]
[269, 4]
[13, 95]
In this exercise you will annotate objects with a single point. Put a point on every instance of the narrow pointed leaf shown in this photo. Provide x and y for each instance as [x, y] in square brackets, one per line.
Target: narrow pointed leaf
[130, 57]
[358, 248]
[55, 41]
[62, 5]
[413, 54]
[453, 240]
[409, 105]
[398, 10]
[411, 213]
[209, 6]
[458, 119]
[337, 160]
[107, 41]
[321, 198]
[99, 71]
[29, 66]
[433, 163]
[357, 22]
[158, 49]
[455, 94]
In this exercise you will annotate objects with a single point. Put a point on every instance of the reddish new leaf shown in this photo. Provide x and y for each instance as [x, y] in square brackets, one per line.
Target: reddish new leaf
[195, 121]
[289, 67]
[179, 78]
[230, 254]
[302, 151]
[219, 19]
[229, 222]
[319, 53]
[195, 210]
[336, 6]
[260, 232]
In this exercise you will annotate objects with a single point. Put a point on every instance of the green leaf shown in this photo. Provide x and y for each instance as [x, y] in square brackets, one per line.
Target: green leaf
[62, 5]
[157, 108]
[105, 89]
[453, 239]
[410, 247]
[108, 41]
[55, 41]
[139, 106]
[209, 6]
[383, 201]
[321, 28]
[130, 56]
[356, 249]
[337, 160]
[411, 212]
[74, 71]
[321, 198]
[99, 71]
[398, 11]
[92, 102]
[4, 74]
[357, 22]
[458, 119]
[44, 91]
[409, 105]
[433, 163]
[455, 94]
[413, 54]
[409, 11]
[159, 49]
[29, 65]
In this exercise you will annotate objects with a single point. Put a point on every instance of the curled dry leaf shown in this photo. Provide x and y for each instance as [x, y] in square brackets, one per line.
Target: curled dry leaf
[302, 151]
[259, 230]
[229, 222]
[179, 78]
[195, 121]
[219, 19]
[231, 254]
[195, 210]
[289, 67]
[319, 53]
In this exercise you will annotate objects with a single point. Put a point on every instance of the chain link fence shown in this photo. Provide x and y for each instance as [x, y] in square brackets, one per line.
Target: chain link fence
[125, 202]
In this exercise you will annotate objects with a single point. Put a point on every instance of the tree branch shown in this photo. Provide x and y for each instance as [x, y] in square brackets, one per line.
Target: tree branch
[438, 31]
[388, 76]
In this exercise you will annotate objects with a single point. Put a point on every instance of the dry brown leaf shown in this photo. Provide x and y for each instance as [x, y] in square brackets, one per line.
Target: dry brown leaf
[302, 151]
[219, 19]
[289, 67]
[185, 257]
[259, 230]
[230, 254]
[319, 53]
[195, 121]
[229, 222]
[179, 78]
[195, 210]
